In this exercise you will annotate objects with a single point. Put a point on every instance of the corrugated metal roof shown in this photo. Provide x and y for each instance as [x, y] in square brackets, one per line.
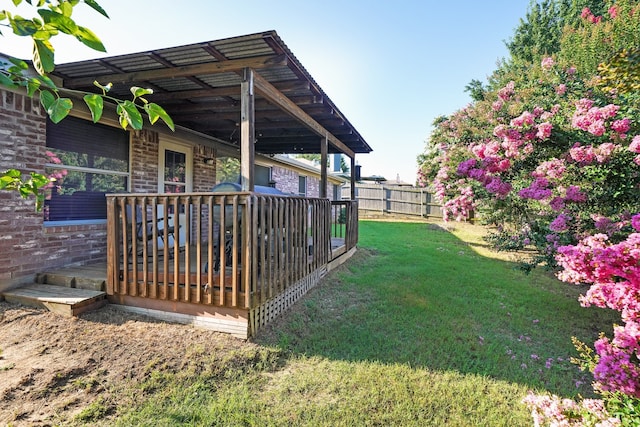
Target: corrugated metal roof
[209, 101]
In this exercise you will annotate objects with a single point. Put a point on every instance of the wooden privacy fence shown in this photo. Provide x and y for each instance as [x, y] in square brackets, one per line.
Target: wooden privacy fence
[237, 251]
[379, 199]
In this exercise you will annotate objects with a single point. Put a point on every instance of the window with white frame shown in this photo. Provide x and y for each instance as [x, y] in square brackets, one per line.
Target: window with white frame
[88, 161]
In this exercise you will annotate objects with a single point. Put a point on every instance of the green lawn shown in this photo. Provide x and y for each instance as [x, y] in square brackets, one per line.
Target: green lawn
[419, 328]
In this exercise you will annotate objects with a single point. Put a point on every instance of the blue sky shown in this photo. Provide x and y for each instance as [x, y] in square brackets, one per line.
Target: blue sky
[390, 66]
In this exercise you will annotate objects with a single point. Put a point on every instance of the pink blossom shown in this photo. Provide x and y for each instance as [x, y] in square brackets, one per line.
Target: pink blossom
[560, 223]
[584, 155]
[547, 63]
[621, 126]
[596, 128]
[544, 130]
[500, 131]
[525, 119]
[603, 151]
[575, 195]
[551, 169]
[586, 13]
[561, 89]
[635, 222]
[537, 190]
[506, 92]
[497, 105]
[557, 204]
[553, 410]
[613, 12]
[464, 167]
[634, 147]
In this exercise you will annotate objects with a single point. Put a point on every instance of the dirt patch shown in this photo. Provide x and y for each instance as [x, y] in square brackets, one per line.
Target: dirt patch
[52, 367]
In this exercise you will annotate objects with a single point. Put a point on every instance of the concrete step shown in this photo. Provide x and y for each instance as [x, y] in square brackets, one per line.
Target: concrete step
[59, 299]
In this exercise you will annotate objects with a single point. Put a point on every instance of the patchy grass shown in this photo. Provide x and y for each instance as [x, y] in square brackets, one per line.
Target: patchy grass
[421, 327]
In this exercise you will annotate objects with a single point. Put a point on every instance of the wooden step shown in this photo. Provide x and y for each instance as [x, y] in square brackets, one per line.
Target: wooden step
[91, 277]
[59, 299]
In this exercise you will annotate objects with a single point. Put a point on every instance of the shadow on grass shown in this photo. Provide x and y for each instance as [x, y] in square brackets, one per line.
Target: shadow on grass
[415, 294]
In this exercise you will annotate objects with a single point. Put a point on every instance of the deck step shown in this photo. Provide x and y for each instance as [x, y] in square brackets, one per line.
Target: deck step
[81, 277]
[59, 299]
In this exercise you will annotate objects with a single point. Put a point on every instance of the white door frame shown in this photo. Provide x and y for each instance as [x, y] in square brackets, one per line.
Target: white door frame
[172, 145]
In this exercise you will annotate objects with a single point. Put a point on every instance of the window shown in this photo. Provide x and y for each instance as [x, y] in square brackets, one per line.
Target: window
[263, 175]
[336, 192]
[175, 168]
[302, 185]
[88, 160]
[174, 172]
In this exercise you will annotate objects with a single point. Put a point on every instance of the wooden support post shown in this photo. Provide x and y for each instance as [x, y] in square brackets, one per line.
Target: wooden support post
[247, 130]
[353, 177]
[324, 149]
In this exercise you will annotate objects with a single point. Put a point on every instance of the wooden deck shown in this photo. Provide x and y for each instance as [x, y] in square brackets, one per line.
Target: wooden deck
[277, 250]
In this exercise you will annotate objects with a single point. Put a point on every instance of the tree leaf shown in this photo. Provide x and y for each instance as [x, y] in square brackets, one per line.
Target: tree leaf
[6, 81]
[43, 56]
[88, 37]
[96, 105]
[33, 85]
[129, 115]
[13, 173]
[156, 112]
[19, 63]
[23, 27]
[95, 6]
[59, 109]
[59, 21]
[106, 88]
[39, 180]
[139, 91]
[47, 99]
[47, 82]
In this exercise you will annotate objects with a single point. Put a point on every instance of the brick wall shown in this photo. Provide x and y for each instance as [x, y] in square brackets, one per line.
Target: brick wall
[287, 181]
[144, 161]
[28, 247]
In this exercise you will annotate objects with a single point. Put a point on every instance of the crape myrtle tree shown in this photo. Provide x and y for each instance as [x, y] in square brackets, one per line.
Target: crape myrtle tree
[550, 159]
[50, 19]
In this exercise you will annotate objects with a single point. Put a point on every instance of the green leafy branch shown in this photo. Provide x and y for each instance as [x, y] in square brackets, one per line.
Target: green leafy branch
[51, 21]
[12, 180]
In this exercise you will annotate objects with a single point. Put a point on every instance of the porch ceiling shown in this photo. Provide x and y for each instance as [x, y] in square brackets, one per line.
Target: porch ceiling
[199, 86]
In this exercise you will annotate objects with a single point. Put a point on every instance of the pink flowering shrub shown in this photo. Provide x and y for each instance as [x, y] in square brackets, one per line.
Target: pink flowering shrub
[555, 165]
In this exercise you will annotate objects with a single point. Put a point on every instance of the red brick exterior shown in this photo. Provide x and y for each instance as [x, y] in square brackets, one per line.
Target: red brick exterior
[27, 246]
[287, 181]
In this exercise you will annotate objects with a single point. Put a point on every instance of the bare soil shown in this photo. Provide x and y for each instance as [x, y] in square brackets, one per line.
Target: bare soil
[52, 367]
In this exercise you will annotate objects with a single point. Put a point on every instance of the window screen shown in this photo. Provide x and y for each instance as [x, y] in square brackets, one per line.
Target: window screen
[88, 161]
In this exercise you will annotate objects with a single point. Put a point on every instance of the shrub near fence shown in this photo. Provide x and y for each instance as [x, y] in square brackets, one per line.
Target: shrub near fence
[381, 200]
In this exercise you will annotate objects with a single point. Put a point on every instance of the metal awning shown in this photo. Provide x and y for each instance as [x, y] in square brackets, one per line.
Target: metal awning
[199, 85]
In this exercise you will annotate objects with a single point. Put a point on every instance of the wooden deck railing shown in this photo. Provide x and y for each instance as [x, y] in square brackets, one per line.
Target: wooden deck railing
[234, 250]
[344, 222]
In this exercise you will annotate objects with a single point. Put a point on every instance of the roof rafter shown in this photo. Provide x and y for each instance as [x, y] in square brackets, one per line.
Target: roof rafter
[184, 71]
[267, 90]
